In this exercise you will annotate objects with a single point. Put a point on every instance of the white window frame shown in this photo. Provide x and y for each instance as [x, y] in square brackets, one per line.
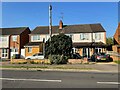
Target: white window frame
[29, 49]
[36, 38]
[3, 39]
[84, 36]
[14, 50]
[4, 53]
[98, 36]
[14, 38]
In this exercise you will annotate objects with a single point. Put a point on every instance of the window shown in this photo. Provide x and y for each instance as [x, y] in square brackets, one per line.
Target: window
[4, 53]
[98, 36]
[14, 50]
[36, 38]
[14, 38]
[29, 49]
[3, 39]
[84, 36]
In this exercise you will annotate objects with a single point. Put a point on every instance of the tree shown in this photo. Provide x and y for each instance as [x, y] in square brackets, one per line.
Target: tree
[59, 45]
[109, 41]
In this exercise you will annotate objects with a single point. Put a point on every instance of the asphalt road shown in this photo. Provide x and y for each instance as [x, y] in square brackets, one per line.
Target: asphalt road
[53, 79]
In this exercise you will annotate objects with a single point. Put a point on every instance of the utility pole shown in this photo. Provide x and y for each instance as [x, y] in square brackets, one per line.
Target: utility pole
[50, 21]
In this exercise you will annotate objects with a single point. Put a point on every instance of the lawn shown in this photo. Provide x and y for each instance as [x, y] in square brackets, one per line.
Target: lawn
[117, 61]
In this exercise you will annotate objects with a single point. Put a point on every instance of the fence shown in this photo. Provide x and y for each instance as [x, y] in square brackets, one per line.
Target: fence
[114, 55]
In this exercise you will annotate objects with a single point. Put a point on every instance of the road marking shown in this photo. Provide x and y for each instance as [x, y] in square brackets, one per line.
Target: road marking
[108, 82]
[39, 80]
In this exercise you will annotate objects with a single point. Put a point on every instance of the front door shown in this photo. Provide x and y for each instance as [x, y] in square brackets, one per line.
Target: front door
[14, 51]
[98, 50]
[86, 52]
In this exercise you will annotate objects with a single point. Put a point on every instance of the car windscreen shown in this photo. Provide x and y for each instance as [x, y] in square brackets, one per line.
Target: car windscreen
[40, 54]
[102, 53]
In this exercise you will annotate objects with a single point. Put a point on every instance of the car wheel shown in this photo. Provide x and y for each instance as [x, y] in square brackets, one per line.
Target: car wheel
[96, 60]
[107, 60]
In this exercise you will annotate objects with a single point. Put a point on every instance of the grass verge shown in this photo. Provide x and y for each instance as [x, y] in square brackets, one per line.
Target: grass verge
[49, 67]
[117, 61]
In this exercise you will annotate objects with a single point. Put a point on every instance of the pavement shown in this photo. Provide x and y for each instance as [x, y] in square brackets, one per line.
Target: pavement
[93, 67]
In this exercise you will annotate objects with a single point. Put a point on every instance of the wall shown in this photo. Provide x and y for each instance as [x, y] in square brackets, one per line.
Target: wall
[116, 35]
[34, 51]
[45, 36]
[24, 37]
[4, 44]
[15, 44]
[76, 37]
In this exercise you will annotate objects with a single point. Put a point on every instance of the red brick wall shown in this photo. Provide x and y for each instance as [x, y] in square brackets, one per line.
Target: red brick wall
[116, 35]
[15, 44]
[24, 37]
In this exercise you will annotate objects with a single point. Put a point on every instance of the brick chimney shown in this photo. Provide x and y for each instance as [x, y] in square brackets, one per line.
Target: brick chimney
[60, 24]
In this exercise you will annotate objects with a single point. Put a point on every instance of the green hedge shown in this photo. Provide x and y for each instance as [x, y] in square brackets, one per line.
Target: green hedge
[58, 59]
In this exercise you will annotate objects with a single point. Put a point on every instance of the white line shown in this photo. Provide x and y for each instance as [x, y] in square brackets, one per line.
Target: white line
[39, 80]
[108, 82]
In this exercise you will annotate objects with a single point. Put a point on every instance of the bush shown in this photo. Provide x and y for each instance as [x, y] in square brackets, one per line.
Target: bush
[58, 45]
[58, 59]
[33, 62]
[22, 63]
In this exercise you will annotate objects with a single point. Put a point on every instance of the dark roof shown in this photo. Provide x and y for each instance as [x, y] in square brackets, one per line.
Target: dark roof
[33, 44]
[83, 28]
[89, 44]
[12, 31]
[44, 30]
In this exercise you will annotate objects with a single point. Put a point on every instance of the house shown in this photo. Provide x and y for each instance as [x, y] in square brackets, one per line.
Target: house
[86, 38]
[12, 40]
[116, 46]
[39, 35]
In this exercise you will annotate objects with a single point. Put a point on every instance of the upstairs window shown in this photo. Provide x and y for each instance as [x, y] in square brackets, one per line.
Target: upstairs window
[36, 37]
[98, 36]
[14, 38]
[2, 39]
[84, 36]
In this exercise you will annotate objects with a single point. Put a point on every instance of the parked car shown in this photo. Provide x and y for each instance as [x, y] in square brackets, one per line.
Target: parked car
[76, 56]
[100, 57]
[36, 56]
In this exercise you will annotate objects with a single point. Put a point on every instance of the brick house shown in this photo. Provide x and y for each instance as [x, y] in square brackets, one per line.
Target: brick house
[116, 46]
[36, 38]
[12, 40]
[87, 38]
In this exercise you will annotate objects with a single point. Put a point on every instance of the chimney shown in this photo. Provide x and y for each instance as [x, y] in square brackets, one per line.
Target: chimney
[60, 24]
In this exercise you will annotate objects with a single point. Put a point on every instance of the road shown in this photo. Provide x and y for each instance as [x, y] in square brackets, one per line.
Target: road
[57, 79]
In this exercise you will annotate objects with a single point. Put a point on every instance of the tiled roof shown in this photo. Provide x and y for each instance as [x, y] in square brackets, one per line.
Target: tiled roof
[83, 28]
[12, 31]
[44, 30]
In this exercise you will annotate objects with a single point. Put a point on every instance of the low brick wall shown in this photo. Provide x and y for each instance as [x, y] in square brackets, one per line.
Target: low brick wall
[115, 58]
[39, 61]
[78, 61]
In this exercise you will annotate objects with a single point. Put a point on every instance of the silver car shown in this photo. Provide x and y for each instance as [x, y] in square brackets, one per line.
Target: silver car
[36, 56]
